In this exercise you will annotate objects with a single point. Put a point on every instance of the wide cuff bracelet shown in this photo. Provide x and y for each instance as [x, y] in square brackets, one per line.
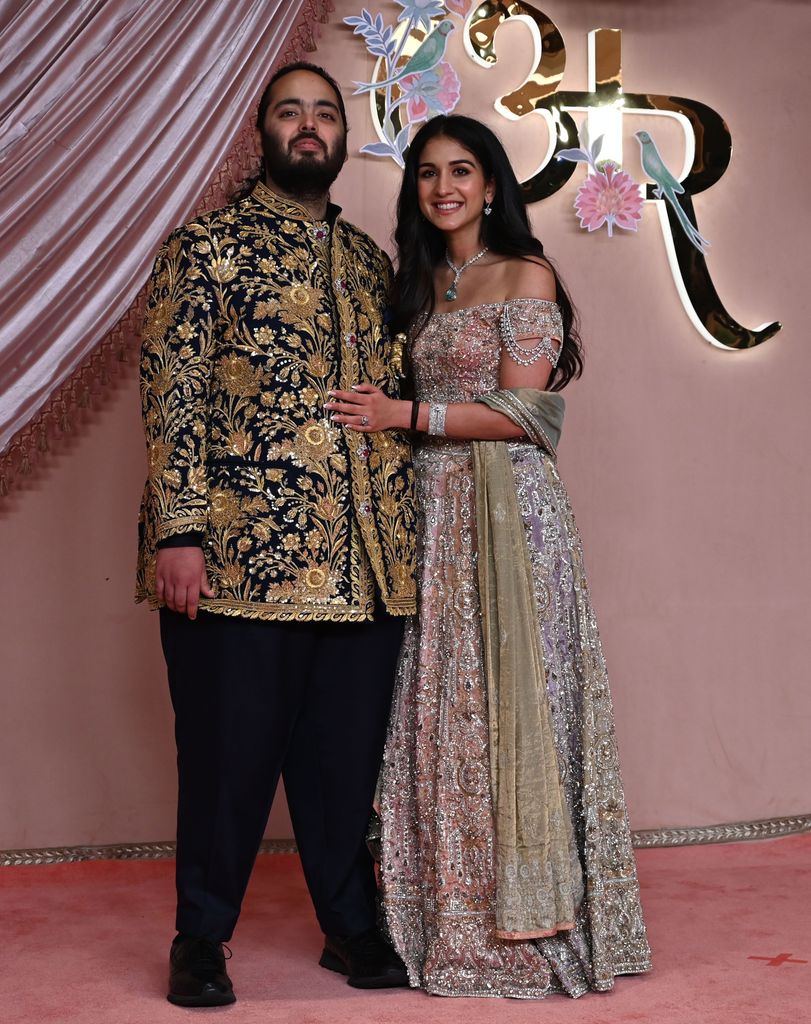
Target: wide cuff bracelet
[436, 418]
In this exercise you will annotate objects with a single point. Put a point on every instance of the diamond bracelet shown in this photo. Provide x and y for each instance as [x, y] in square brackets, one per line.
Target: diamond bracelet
[436, 418]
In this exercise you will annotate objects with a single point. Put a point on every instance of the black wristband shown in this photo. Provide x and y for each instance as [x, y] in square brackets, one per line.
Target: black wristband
[415, 412]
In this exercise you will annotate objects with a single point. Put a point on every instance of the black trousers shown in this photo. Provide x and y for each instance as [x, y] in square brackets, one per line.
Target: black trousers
[254, 700]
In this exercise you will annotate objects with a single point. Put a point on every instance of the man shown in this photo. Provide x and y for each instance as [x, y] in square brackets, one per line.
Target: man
[278, 544]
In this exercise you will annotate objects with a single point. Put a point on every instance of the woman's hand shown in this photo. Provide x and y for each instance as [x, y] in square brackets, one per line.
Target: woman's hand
[366, 409]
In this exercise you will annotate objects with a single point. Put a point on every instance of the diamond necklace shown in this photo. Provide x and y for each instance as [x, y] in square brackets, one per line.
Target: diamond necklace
[451, 293]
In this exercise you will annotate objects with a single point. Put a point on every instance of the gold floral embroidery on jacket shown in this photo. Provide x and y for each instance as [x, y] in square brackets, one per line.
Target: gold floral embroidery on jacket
[255, 314]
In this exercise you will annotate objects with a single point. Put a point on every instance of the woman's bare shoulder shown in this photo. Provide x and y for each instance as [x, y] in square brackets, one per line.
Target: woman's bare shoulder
[531, 277]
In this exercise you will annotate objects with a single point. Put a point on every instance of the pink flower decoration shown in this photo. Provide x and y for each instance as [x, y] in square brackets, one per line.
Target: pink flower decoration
[449, 88]
[609, 197]
[416, 107]
[437, 90]
[460, 7]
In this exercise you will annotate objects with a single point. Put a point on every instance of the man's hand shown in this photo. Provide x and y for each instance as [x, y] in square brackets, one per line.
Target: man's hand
[180, 578]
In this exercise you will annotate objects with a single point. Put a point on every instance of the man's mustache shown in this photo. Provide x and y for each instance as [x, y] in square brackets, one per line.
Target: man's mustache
[305, 137]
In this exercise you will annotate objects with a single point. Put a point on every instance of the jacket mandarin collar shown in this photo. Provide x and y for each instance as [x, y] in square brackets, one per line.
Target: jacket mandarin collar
[290, 208]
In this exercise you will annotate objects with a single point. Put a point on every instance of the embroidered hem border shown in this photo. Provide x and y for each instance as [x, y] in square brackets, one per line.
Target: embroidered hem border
[292, 612]
[567, 926]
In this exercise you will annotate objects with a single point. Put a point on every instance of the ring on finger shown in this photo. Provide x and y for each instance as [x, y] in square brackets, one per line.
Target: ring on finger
[364, 421]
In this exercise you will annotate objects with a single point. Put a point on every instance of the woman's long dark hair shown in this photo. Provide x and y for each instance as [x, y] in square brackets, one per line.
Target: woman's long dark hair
[506, 231]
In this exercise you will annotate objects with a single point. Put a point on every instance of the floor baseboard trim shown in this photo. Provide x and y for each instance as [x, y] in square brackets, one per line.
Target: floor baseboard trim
[741, 831]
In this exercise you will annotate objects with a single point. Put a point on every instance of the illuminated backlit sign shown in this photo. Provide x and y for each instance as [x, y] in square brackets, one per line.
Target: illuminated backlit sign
[707, 140]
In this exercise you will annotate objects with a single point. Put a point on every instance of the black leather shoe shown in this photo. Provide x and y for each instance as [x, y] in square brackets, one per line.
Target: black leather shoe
[367, 960]
[197, 974]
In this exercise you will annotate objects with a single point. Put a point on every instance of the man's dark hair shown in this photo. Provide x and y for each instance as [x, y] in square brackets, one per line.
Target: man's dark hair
[299, 65]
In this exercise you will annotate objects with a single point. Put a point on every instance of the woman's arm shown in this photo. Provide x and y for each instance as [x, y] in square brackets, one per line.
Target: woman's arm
[467, 421]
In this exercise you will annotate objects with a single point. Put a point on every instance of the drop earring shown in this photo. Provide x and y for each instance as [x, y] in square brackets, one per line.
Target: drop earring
[488, 209]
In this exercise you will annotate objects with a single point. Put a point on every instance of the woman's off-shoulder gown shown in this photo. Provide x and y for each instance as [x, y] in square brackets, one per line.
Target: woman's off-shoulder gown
[436, 809]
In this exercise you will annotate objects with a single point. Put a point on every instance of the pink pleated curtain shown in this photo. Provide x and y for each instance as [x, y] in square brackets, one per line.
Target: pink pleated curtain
[119, 119]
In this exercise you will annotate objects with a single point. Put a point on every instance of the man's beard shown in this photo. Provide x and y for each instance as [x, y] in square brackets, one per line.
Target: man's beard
[306, 175]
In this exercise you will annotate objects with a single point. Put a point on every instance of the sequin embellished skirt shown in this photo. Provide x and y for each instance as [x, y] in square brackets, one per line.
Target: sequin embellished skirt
[438, 843]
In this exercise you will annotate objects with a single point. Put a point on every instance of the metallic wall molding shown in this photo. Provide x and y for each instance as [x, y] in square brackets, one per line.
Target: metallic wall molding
[125, 851]
[768, 828]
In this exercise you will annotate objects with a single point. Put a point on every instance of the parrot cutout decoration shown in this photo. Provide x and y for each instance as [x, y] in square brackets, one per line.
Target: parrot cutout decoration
[429, 53]
[416, 81]
[668, 187]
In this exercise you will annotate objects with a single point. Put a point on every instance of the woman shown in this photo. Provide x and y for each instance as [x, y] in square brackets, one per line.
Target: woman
[507, 866]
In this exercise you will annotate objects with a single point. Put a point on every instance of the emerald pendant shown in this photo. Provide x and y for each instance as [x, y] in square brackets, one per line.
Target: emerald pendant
[450, 294]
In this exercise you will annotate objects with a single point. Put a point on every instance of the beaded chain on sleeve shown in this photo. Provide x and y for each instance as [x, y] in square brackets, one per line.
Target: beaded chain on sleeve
[535, 317]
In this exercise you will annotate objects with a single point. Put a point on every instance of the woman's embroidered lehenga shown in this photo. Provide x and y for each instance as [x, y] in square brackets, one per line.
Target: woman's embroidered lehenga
[439, 854]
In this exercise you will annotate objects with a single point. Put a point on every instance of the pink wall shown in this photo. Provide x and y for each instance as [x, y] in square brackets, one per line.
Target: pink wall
[685, 464]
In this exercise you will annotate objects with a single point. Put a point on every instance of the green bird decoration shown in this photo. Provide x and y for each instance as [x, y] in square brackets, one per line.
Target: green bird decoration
[667, 187]
[428, 54]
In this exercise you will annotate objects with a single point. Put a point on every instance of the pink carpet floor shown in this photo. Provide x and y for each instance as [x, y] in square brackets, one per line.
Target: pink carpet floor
[86, 944]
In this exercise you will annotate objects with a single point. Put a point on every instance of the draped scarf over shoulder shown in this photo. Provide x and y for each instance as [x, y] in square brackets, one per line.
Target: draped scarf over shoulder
[539, 880]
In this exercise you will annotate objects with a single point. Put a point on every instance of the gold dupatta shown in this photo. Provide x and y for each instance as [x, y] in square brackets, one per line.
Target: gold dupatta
[539, 879]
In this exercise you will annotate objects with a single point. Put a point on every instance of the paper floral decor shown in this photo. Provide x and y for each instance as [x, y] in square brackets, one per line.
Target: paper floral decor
[609, 195]
[416, 83]
[413, 82]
